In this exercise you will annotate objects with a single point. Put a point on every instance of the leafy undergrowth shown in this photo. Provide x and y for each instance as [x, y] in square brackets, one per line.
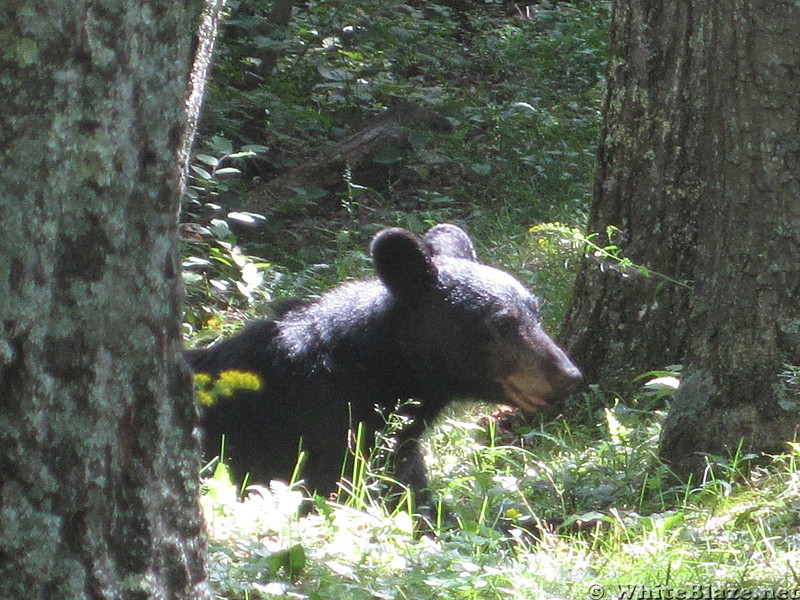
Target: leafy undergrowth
[522, 89]
[554, 511]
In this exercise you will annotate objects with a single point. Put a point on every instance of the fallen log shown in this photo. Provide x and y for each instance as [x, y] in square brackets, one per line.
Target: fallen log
[384, 141]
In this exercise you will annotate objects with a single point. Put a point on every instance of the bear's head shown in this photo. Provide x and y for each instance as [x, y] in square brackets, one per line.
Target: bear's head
[468, 329]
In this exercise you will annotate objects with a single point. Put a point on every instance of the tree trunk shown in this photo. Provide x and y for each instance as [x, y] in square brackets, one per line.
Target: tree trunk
[700, 170]
[98, 456]
[745, 311]
[279, 18]
[621, 322]
[201, 71]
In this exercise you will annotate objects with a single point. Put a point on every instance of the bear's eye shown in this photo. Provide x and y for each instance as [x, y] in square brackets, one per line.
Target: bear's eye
[506, 325]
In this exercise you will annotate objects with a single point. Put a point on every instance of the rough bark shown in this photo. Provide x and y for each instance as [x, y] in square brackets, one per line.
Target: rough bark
[698, 168]
[620, 322]
[325, 170]
[201, 71]
[744, 315]
[98, 456]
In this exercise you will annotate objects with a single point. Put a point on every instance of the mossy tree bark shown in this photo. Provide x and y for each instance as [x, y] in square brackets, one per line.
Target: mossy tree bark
[621, 323]
[699, 168]
[98, 456]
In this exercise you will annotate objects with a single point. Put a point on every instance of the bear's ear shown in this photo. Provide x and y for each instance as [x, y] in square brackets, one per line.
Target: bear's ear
[450, 240]
[403, 263]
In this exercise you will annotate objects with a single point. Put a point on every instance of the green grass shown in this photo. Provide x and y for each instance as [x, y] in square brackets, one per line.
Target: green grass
[623, 525]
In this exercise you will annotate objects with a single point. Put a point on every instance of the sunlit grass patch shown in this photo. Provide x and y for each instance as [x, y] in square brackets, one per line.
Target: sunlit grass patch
[621, 524]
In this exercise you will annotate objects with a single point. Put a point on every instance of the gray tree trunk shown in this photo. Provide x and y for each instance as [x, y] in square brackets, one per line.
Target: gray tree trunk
[744, 315]
[700, 170]
[621, 323]
[98, 456]
[279, 18]
[198, 80]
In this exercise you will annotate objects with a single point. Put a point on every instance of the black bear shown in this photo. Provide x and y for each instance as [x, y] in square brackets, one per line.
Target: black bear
[433, 326]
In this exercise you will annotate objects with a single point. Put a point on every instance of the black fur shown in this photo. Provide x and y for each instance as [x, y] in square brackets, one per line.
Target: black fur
[435, 325]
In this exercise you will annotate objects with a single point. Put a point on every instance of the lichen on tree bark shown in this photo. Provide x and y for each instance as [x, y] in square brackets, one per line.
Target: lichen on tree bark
[698, 168]
[98, 461]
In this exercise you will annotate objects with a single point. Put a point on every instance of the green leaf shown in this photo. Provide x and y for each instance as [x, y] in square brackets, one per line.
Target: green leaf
[211, 161]
[247, 218]
[335, 74]
[190, 278]
[292, 560]
[195, 261]
[221, 145]
[254, 149]
[202, 172]
[228, 171]
[481, 168]
[219, 228]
